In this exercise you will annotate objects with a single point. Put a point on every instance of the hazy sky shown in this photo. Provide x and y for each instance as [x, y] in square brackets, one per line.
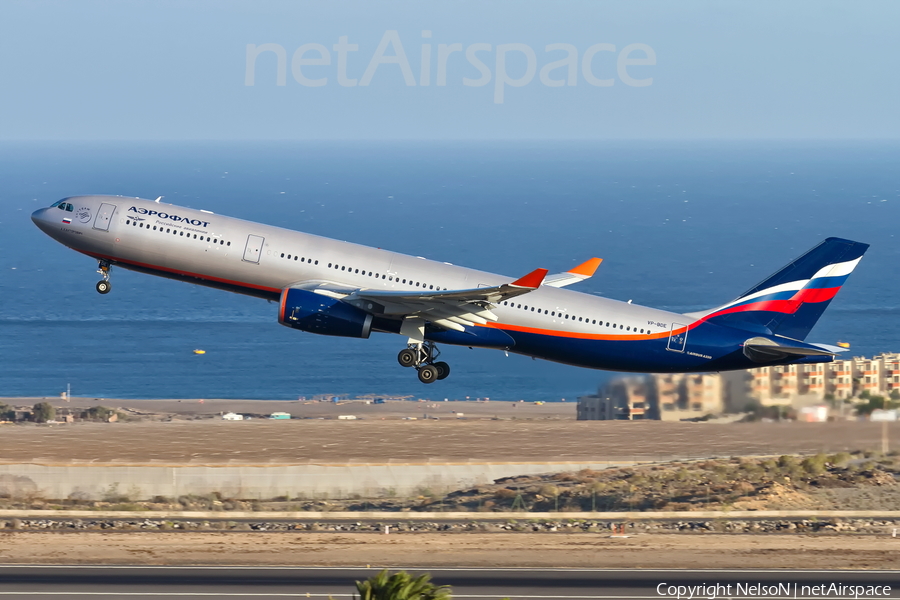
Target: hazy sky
[448, 69]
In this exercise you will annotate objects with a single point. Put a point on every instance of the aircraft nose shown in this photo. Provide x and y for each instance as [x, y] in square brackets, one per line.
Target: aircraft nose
[39, 218]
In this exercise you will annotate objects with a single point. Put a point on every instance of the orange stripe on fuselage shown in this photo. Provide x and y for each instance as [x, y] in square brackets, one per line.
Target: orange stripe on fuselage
[283, 303]
[186, 273]
[576, 334]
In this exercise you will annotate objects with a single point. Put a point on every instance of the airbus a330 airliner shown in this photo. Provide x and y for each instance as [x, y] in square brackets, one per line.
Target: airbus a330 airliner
[338, 288]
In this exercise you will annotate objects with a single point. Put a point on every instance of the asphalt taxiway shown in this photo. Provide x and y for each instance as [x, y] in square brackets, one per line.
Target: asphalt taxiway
[126, 582]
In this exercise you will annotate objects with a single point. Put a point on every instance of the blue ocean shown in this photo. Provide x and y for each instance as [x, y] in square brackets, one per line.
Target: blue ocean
[680, 226]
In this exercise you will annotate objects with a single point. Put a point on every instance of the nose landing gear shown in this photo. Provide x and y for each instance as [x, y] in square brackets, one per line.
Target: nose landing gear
[421, 356]
[104, 286]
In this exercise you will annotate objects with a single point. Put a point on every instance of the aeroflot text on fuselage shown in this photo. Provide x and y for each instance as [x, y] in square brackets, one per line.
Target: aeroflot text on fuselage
[560, 66]
[163, 215]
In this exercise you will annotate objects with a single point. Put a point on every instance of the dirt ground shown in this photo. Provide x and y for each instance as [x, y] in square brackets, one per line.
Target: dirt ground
[212, 441]
[583, 550]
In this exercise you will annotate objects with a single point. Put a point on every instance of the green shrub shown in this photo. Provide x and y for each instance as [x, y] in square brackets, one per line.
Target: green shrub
[549, 491]
[787, 461]
[840, 459]
[814, 465]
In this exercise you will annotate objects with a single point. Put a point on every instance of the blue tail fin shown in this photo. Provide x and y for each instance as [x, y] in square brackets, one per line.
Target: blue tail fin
[791, 301]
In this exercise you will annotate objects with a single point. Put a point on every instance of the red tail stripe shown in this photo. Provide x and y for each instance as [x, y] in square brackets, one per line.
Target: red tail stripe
[815, 295]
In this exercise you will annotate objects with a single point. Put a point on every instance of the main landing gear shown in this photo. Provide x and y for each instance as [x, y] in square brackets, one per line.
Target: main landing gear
[104, 286]
[421, 356]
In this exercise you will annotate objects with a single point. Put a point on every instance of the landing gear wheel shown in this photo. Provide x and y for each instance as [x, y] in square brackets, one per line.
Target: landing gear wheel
[103, 268]
[443, 369]
[428, 374]
[407, 358]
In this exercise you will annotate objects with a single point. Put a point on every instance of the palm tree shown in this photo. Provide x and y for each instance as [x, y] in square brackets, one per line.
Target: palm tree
[401, 586]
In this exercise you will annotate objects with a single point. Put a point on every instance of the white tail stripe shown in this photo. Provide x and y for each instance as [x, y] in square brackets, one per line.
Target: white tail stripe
[838, 269]
[791, 286]
[834, 270]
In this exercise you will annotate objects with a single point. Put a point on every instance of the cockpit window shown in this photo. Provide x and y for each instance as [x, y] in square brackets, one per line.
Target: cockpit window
[57, 203]
[69, 208]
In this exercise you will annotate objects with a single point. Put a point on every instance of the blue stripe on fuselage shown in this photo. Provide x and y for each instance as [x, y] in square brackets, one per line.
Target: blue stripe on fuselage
[709, 347]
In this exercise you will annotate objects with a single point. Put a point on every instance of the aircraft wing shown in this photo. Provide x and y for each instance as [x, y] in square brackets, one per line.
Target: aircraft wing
[451, 309]
[583, 271]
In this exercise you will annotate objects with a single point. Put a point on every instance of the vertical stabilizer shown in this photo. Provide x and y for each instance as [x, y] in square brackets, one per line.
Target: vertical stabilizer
[790, 302]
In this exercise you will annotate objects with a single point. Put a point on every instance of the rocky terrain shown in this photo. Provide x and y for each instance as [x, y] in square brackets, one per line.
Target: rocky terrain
[860, 481]
[723, 525]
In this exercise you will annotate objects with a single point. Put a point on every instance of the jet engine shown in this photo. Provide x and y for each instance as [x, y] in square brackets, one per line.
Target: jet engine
[308, 311]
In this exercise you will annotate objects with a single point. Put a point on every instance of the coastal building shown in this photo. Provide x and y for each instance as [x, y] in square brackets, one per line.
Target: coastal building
[673, 397]
[668, 397]
[622, 399]
[841, 379]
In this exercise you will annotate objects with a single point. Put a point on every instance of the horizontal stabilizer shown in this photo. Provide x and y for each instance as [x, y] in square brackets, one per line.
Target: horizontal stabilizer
[763, 350]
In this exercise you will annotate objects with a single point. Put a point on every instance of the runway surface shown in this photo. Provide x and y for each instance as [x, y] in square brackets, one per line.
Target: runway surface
[107, 582]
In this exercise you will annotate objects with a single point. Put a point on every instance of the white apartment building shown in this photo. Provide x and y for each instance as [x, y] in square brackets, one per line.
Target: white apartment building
[841, 379]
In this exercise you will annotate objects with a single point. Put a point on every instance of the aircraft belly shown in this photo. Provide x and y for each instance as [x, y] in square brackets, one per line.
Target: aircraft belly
[473, 337]
[705, 352]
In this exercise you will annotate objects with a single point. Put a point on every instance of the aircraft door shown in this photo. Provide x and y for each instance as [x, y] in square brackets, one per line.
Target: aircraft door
[677, 337]
[253, 250]
[104, 216]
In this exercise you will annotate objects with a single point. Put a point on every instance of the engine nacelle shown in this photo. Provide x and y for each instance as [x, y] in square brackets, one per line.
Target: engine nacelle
[315, 313]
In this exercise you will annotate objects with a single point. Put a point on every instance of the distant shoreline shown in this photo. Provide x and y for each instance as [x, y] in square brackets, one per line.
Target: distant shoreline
[391, 408]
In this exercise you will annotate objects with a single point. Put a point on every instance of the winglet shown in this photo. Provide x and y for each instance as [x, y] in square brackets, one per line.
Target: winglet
[533, 280]
[588, 268]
